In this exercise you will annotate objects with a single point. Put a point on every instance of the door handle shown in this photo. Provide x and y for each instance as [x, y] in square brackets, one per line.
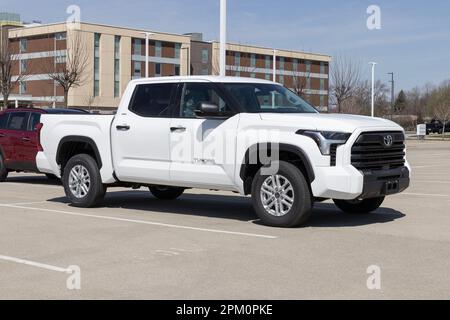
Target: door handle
[177, 129]
[26, 139]
[123, 127]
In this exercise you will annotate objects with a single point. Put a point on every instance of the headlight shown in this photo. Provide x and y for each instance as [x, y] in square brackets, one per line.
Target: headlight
[325, 139]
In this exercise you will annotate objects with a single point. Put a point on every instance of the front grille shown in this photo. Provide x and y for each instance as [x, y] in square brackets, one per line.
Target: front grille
[370, 152]
[333, 149]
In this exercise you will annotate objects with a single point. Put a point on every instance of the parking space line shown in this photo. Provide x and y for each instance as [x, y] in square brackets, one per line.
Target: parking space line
[141, 222]
[431, 166]
[433, 181]
[424, 194]
[34, 264]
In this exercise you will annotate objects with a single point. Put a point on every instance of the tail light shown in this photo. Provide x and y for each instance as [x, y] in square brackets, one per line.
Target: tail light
[38, 131]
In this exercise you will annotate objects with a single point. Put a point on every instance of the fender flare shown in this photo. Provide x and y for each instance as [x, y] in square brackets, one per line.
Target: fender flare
[83, 139]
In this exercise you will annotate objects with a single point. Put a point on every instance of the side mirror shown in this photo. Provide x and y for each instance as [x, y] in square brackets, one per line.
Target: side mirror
[209, 110]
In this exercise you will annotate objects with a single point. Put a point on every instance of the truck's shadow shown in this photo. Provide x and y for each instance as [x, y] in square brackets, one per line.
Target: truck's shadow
[236, 208]
[35, 179]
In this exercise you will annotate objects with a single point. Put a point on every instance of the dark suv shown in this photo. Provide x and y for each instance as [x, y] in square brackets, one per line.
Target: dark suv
[19, 138]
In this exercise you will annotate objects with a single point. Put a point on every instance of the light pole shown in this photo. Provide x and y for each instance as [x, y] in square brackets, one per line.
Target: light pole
[274, 65]
[392, 90]
[373, 87]
[147, 35]
[223, 37]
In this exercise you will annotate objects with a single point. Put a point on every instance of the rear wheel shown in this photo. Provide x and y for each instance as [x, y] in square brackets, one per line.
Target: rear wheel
[3, 170]
[82, 181]
[282, 199]
[166, 192]
[359, 206]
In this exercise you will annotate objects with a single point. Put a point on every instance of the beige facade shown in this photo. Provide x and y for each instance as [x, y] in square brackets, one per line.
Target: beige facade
[84, 95]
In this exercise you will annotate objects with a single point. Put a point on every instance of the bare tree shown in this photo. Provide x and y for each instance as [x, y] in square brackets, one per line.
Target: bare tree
[299, 84]
[8, 60]
[442, 105]
[345, 76]
[70, 73]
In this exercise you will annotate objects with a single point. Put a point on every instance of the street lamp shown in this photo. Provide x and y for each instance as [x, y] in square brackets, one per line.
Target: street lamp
[392, 90]
[373, 87]
[147, 35]
[223, 37]
[274, 65]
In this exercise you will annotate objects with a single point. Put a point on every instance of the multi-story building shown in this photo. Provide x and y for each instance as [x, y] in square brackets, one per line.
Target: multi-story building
[115, 55]
[305, 73]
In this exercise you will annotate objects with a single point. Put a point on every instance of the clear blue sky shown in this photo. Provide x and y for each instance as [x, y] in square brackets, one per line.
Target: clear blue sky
[414, 41]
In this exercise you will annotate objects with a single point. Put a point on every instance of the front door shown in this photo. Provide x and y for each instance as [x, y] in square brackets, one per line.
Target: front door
[140, 135]
[17, 124]
[202, 150]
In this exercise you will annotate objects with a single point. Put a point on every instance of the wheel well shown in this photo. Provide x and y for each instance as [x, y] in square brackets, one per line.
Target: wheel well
[71, 146]
[288, 153]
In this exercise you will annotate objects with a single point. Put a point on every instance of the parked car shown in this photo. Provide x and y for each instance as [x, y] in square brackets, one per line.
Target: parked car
[447, 128]
[245, 135]
[19, 138]
[434, 126]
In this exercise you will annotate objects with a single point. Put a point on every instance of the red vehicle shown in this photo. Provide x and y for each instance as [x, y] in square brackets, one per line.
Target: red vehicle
[19, 138]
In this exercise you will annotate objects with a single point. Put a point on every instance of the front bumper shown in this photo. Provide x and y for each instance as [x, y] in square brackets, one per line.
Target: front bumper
[385, 182]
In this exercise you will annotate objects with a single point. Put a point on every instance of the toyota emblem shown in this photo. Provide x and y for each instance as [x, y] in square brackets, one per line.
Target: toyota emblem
[388, 141]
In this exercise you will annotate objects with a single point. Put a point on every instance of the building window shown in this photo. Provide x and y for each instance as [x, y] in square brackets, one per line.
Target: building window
[96, 64]
[322, 67]
[116, 66]
[158, 49]
[237, 59]
[308, 66]
[268, 76]
[281, 79]
[267, 62]
[253, 60]
[157, 69]
[177, 50]
[308, 83]
[205, 55]
[23, 65]
[322, 84]
[322, 101]
[61, 57]
[205, 71]
[177, 70]
[295, 65]
[281, 63]
[61, 36]
[137, 46]
[252, 75]
[137, 69]
[22, 87]
[23, 45]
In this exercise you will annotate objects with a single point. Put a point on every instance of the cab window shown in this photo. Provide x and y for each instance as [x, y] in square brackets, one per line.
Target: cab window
[3, 120]
[152, 100]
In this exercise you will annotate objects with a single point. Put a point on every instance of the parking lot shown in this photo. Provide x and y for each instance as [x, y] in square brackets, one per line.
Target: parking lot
[208, 245]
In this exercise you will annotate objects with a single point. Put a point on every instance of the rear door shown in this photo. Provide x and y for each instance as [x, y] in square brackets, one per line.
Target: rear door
[29, 142]
[140, 135]
[17, 124]
[4, 139]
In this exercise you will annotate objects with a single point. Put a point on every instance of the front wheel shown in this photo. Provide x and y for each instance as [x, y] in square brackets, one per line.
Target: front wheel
[82, 181]
[282, 199]
[3, 170]
[359, 206]
[165, 192]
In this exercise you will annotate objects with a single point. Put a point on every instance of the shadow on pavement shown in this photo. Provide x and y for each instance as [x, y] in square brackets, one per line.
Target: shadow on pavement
[35, 179]
[236, 208]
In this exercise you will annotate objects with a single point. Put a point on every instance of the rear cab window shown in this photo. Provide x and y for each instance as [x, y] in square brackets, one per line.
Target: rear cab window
[152, 100]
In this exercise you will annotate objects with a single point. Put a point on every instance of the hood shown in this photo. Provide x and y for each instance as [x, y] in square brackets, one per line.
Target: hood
[329, 122]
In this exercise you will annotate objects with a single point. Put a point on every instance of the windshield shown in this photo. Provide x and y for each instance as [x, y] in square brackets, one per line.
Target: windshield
[267, 97]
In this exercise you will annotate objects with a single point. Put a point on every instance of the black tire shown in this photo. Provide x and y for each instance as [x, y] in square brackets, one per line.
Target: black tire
[96, 191]
[51, 177]
[166, 192]
[301, 206]
[3, 170]
[364, 206]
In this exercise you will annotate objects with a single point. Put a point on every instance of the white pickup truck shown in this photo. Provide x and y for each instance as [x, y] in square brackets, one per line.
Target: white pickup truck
[244, 135]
